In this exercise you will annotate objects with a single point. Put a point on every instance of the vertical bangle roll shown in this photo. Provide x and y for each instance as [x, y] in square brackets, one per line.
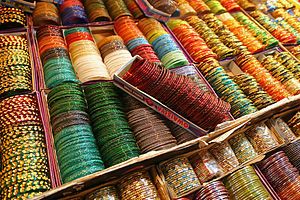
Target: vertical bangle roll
[45, 13]
[15, 65]
[57, 65]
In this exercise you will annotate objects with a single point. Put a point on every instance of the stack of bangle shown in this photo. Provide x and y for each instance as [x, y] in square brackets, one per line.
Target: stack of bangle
[253, 90]
[185, 8]
[167, 6]
[291, 20]
[246, 5]
[15, 66]
[215, 6]
[211, 39]
[292, 151]
[242, 148]
[230, 5]
[213, 190]
[117, 9]
[96, 10]
[114, 137]
[76, 147]
[166, 48]
[263, 36]
[72, 12]
[105, 193]
[150, 131]
[54, 55]
[289, 62]
[205, 166]
[134, 9]
[191, 40]
[85, 56]
[246, 184]
[249, 64]
[261, 138]
[134, 39]
[193, 74]
[282, 175]
[199, 6]
[226, 88]
[180, 176]
[282, 74]
[224, 156]
[11, 18]
[294, 123]
[288, 27]
[25, 169]
[114, 53]
[277, 31]
[138, 186]
[180, 133]
[253, 44]
[295, 51]
[226, 36]
[200, 107]
[45, 13]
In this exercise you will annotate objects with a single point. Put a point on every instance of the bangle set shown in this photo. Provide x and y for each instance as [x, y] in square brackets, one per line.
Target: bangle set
[85, 56]
[191, 40]
[96, 10]
[72, 12]
[163, 44]
[246, 5]
[185, 9]
[280, 73]
[15, 65]
[242, 33]
[155, 135]
[249, 64]
[139, 186]
[134, 9]
[215, 6]
[211, 39]
[166, 87]
[11, 18]
[253, 90]
[286, 182]
[277, 31]
[45, 13]
[246, 182]
[230, 5]
[182, 180]
[57, 65]
[226, 88]
[117, 8]
[167, 6]
[199, 6]
[114, 53]
[24, 162]
[134, 39]
[291, 64]
[263, 36]
[76, 147]
[115, 139]
[225, 35]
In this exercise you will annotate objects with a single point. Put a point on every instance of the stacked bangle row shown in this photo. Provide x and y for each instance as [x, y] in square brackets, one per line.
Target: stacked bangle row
[85, 56]
[15, 65]
[134, 39]
[167, 50]
[76, 147]
[55, 58]
[25, 170]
